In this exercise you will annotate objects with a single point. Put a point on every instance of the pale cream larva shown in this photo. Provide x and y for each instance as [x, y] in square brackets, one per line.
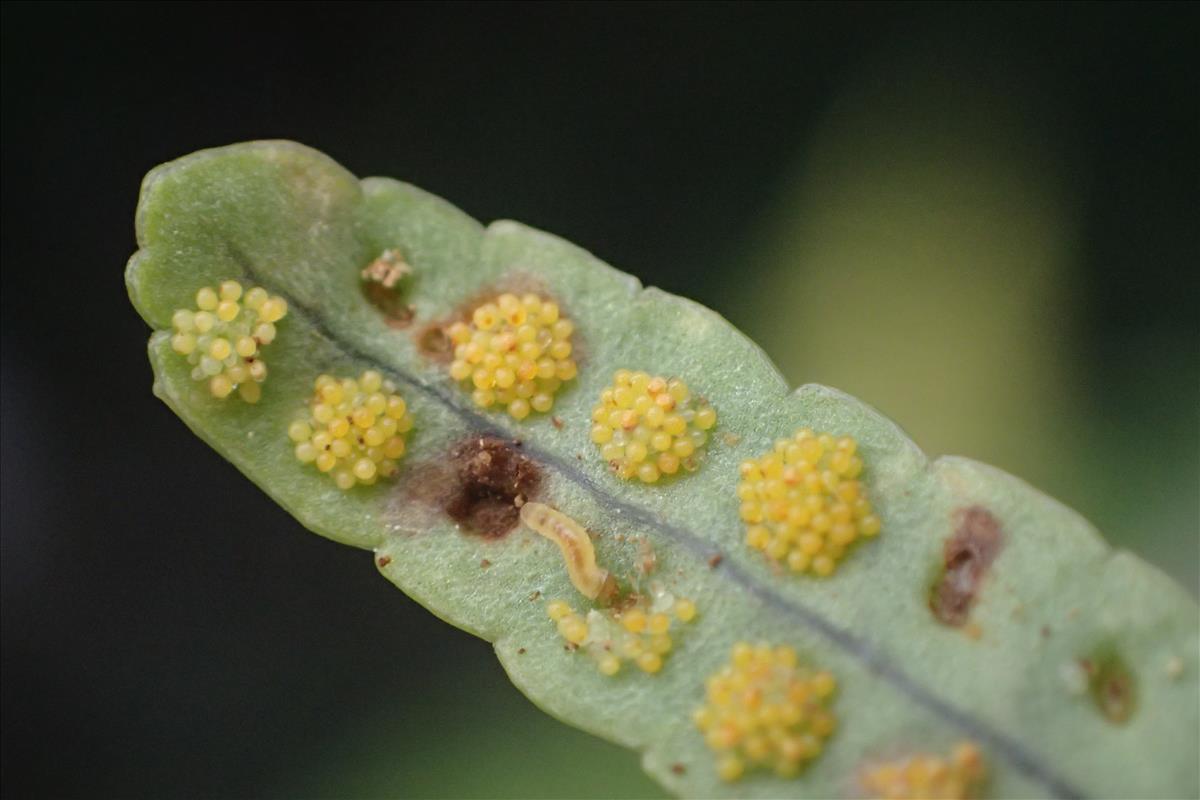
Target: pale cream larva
[572, 539]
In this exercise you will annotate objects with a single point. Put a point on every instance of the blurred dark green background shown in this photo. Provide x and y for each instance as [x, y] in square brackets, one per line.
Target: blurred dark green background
[981, 219]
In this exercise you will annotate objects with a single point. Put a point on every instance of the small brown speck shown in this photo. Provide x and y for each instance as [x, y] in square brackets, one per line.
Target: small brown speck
[384, 561]
[714, 560]
[520, 651]
[556, 422]
[678, 768]
[1045, 631]
[536, 594]
[484, 564]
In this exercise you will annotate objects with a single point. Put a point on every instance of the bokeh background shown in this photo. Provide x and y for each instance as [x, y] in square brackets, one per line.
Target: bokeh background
[981, 219]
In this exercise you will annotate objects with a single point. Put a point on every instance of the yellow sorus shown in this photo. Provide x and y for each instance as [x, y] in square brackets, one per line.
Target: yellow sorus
[956, 777]
[573, 541]
[224, 337]
[639, 634]
[646, 427]
[515, 352]
[354, 429]
[803, 504]
[766, 710]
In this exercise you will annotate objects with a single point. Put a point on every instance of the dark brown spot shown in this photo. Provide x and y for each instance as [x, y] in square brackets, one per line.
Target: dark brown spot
[967, 556]
[389, 302]
[678, 768]
[537, 593]
[1112, 686]
[434, 343]
[384, 561]
[488, 475]
[520, 651]
[620, 603]
[556, 422]
[484, 563]
[714, 560]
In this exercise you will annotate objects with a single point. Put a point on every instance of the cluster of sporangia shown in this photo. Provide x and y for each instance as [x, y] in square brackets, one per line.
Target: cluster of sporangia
[960, 775]
[765, 709]
[354, 430]
[803, 504]
[515, 352]
[223, 337]
[647, 427]
[641, 633]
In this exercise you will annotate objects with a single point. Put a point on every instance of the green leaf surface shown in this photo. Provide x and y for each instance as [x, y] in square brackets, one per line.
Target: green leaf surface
[286, 217]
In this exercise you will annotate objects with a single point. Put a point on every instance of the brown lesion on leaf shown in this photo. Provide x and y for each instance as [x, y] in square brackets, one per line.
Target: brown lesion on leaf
[381, 287]
[967, 556]
[488, 475]
[1111, 685]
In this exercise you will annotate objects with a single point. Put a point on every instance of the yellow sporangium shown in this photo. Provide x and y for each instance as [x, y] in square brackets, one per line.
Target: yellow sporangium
[223, 338]
[646, 427]
[766, 710]
[353, 429]
[959, 776]
[803, 504]
[515, 352]
[638, 633]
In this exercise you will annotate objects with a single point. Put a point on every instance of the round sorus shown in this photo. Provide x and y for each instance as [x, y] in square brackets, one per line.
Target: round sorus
[638, 634]
[766, 710]
[354, 429]
[646, 427]
[803, 504]
[223, 338]
[515, 352]
[959, 776]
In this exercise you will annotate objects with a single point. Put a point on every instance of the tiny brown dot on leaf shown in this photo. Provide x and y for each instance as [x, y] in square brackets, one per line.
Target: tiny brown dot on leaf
[714, 560]
[484, 564]
[678, 768]
[384, 561]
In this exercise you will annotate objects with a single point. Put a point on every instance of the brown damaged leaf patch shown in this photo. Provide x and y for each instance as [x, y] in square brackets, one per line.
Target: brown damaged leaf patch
[397, 314]
[491, 478]
[1112, 686]
[967, 557]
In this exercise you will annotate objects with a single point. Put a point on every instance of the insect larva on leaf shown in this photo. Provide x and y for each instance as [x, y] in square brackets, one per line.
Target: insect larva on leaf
[592, 581]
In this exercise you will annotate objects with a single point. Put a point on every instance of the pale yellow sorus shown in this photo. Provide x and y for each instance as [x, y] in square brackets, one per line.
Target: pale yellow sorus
[640, 634]
[514, 353]
[958, 776]
[353, 429]
[224, 337]
[764, 709]
[803, 504]
[648, 426]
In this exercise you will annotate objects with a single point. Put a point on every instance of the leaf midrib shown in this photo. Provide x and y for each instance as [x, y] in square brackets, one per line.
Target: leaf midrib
[717, 560]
